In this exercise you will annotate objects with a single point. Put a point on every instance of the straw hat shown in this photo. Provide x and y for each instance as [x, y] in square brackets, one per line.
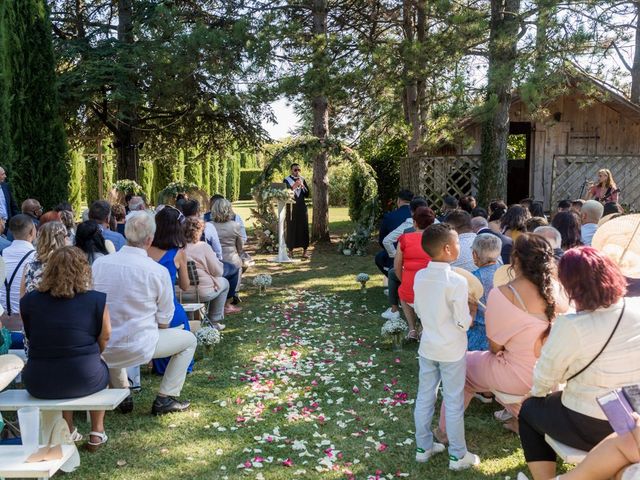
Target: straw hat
[619, 239]
[503, 275]
[606, 218]
[475, 286]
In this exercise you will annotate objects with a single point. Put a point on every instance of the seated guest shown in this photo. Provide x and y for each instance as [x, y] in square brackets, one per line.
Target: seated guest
[50, 216]
[246, 258]
[461, 223]
[479, 212]
[576, 205]
[410, 258]
[389, 243]
[536, 209]
[467, 203]
[568, 224]
[592, 351]
[518, 318]
[612, 207]
[391, 221]
[89, 239]
[479, 225]
[191, 209]
[497, 209]
[564, 206]
[68, 327]
[514, 221]
[617, 456]
[229, 234]
[100, 211]
[167, 249]
[551, 235]
[66, 217]
[137, 204]
[51, 237]
[119, 214]
[526, 203]
[449, 204]
[590, 215]
[486, 253]
[15, 256]
[32, 208]
[140, 316]
[535, 222]
[212, 286]
[4, 241]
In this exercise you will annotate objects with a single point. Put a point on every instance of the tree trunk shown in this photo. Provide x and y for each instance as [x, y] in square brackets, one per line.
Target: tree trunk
[503, 41]
[126, 141]
[635, 68]
[414, 100]
[320, 129]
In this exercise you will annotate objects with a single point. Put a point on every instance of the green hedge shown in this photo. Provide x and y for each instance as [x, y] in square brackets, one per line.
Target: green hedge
[248, 177]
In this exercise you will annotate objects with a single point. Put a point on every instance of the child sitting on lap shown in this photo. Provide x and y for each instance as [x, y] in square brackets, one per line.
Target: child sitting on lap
[486, 252]
[441, 302]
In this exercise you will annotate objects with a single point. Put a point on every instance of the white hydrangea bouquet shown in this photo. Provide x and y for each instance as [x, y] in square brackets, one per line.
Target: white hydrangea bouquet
[363, 278]
[396, 329]
[208, 337]
[262, 281]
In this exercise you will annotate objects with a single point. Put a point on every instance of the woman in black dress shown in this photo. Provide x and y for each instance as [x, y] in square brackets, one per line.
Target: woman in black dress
[68, 326]
[297, 223]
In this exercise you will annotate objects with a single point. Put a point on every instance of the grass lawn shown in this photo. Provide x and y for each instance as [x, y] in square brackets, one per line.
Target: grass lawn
[302, 386]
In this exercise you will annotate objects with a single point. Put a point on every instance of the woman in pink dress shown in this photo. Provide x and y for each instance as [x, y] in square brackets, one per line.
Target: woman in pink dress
[518, 319]
[411, 257]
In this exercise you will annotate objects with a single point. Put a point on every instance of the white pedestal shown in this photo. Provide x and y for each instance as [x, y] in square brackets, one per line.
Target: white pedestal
[283, 256]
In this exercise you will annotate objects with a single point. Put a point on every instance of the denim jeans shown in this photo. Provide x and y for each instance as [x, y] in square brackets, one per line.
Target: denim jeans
[231, 273]
[452, 375]
[384, 262]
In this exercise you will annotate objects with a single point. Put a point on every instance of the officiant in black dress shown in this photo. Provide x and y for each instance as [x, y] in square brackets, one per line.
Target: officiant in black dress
[297, 223]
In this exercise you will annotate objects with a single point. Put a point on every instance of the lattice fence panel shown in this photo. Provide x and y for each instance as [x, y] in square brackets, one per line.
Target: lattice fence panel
[446, 175]
[571, 171]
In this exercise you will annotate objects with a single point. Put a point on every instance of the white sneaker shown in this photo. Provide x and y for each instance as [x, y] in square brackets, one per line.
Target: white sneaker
[522, 476]
[482, 398]
[469, 460]
[503, 415]
[423, 455]
[389, 315]
[219, 326]
[632, 472]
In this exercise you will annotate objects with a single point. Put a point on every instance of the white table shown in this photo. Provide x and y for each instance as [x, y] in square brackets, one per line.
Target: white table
[12, 464]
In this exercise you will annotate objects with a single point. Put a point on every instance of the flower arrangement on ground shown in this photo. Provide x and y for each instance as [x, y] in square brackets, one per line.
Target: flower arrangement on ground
[266, 225]
[208, 337]
[262, 281]
[363, 278]
[395, 328]
[355, 243]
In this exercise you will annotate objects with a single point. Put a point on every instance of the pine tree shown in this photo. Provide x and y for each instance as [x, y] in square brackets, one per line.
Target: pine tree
[233, 177]
[38, 162]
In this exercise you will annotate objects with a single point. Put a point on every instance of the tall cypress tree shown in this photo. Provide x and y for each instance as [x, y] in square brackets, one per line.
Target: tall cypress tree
[38, 162]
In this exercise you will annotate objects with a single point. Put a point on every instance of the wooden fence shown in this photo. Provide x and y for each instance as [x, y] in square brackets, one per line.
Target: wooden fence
[571, 171]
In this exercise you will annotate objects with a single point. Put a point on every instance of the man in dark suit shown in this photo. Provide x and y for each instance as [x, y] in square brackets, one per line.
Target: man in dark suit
[480, 225]
[391, 221]
[8, 206]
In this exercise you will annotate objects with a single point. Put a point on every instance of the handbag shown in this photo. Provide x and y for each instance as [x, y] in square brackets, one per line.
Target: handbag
[603, 347]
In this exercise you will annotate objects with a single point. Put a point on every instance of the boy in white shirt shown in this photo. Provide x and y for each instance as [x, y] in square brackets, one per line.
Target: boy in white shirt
[441, 302]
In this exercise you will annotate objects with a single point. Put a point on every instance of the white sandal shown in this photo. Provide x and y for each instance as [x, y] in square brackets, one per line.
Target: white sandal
[76, 436]
[92, 446]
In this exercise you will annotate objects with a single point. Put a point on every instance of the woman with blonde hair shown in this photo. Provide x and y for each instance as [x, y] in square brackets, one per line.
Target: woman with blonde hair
[605, 190]
[229, 233]
[51, 237]
[68, 326]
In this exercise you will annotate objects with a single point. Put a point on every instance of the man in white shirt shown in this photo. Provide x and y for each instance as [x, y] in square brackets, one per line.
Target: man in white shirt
[590, 215]
[461, 222]
[15, 257]
[140, 300]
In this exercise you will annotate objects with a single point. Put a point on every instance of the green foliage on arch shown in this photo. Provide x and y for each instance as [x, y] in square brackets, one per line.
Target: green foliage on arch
[363, 188]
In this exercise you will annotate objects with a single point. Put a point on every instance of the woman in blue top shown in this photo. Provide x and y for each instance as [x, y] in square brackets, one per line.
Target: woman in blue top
[486, 252]
[168, 250]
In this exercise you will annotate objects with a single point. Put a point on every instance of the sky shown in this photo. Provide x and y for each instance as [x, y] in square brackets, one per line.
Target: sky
[285, 117]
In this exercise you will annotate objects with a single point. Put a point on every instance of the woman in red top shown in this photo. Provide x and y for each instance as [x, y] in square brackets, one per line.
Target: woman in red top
[410, 258]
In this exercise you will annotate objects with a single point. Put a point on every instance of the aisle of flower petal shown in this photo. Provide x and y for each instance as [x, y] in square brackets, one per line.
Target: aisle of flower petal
[306, 374]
